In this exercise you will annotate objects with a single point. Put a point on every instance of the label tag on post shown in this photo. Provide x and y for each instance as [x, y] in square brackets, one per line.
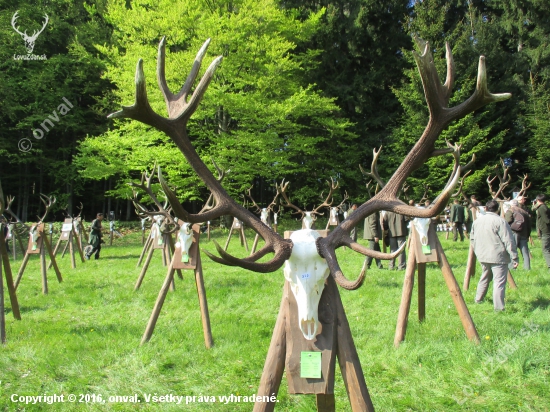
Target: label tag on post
[310, 365]
[426, 249]
[185, 257]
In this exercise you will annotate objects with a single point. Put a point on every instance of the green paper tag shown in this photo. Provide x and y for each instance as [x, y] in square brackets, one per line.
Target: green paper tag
[160, 240]
[310, 365]
[185, 257]
[426, 249]
[34, 245]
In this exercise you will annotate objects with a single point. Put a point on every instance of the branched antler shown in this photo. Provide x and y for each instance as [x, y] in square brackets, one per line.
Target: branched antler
[374, 168]
[48, 203]
[524, 185]
[504, 181]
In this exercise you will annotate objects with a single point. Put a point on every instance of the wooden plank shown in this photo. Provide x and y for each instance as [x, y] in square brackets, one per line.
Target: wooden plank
[9, 279]
[43, 271]
[415, 242]
[52, 257]
[470, 268]
[193, 252]
[205, 316]
[38, 241]
[324, 342]
[421, 291]
[511, 281]
[326, 403]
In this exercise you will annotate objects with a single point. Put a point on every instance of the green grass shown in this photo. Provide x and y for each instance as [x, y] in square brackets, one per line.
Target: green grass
[83, 337]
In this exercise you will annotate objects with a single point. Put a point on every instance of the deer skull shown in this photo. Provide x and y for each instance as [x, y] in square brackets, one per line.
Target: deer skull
[264, 215]
[306, 272]
[35, 234]
[422, 225]
[185, 240]
[309, 218]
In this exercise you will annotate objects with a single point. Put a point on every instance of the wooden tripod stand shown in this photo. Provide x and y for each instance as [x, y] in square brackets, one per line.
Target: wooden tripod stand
[69, 235]
[238, 226]
[418, 258]
[334, 341]
[39, 249]
[176, 263]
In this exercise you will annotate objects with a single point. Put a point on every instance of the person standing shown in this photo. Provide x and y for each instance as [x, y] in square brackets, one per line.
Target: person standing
[495, 248]
[373, 233]
[520, 223]
[543, 226]
[95, 237]
[457, 218]
[397, 228]
[522, 200]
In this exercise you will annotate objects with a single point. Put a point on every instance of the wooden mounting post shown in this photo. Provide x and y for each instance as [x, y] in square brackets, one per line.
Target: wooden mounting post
[166, 247]
[4, 257]
[177, 264]
[419, 258]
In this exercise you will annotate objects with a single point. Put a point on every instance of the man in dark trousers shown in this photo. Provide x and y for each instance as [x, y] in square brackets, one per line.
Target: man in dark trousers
[457, 218]
[543, 226]
[373, 233]
[520, 223]
[95, 237]
[397, 228]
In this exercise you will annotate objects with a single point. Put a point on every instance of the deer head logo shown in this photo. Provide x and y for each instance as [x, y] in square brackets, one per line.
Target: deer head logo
[29, 40]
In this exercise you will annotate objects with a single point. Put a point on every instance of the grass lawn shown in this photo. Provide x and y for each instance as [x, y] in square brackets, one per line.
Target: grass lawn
[84, 337]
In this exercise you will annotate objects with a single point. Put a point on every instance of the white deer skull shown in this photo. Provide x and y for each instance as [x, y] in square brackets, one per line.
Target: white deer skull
[185, 240]
[422, 226]
[35, 234]
[308, 220]
[306, 272]
[333, 214]
[264, 215]
[275, 218]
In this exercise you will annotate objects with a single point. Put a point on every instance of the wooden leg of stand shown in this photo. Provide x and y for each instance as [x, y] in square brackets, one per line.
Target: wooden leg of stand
[255, 243]
[43, 269]
[144, 268]
[145, 249]
[406, 296]
[511, 281]
[208, 231]
[421, 291]
[228, 239]
[79, 246]
[52, 258]
[9, 280]
[205, 316]
[55, 251]
[2, 313]
[325, 403]
[71, 251]
[168, 258]
[350, 366]
[22, 270]
[150, 328]
[244, 239]
[274, 365]
[173, 248]
[470, 268]
[65, 250]
[456, 294]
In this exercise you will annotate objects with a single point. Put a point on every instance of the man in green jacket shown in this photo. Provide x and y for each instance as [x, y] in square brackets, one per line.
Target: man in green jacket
[457, 217]
[543, 226]
[373, 233]
[495, 248]
[398, 231]
[520, 223]
[95, 237]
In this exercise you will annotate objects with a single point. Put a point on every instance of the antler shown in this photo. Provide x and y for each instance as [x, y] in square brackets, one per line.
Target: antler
[332, 187]
[210, 202]
[13, 21]
[35, 35]
[437, 98]
[374, 168]
[281, 190]
[170, 225]
[48, 203]
[425, 195]
[346, 197]
[504, 180]
[524, 185]
[180, 108]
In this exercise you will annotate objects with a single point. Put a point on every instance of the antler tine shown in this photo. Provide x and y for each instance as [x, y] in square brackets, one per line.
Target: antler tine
[36, 33]
[14, 21]
[326, 203]
[524, 185]
[48, 203]
[346, 197]
[374, 167]
[459, 191]
[258, 208]
[282, 191]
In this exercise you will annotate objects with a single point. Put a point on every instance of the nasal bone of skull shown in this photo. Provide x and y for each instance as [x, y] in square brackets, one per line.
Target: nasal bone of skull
[308, 220]
[306, 272]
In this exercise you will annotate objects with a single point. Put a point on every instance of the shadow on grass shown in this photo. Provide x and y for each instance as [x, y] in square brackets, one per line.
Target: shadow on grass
[388, 284]
[540, 303]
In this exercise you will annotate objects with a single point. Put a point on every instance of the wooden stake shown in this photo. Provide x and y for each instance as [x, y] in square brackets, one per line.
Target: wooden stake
[158, 305]
[325, 403]
[274, 365]
[55, 251]
[22, 270]
[421, 291]
[404, 307]
[9, 279]
[205, 316]
[456, 295]
[255, 244]
[2, 314]
[43, 270]
[52, 258]
[511, 281]
[145, 248]
[470, 268]
[228, 239]
[71, 250]
[144, 268]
